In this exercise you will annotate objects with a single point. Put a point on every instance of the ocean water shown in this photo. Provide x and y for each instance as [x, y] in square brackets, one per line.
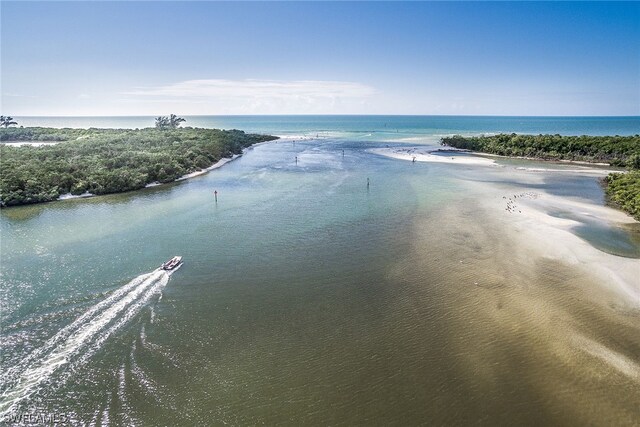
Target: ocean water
[308, 296]
[384, 127]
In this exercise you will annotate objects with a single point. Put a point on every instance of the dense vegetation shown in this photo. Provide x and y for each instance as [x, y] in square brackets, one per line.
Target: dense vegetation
[615, 150]
[622, 189]
[102, 161]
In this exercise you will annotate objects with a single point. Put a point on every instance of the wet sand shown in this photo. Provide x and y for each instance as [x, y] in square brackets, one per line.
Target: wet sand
[538, 316]
[529, 214]
[536, 319]
[533, 220]
[534, 226]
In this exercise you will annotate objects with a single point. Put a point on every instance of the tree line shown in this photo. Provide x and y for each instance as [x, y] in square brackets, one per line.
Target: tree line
[622, 189]
[103, 161]
[615, 150]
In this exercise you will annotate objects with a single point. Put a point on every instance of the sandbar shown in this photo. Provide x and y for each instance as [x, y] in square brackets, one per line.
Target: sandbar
[423, 154]
[528, 214]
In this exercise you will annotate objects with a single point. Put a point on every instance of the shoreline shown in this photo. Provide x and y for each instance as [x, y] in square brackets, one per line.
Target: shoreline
[599, 170]
[216, 165]
[527, 277]
[531, 216]
[30, 143]
[469, 157]
[110, 161]
[538, 159]
[223, 161]
[425, 155]
[546, 224]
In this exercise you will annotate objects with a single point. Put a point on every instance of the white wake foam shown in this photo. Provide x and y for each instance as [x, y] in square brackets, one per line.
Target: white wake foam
[77, 341]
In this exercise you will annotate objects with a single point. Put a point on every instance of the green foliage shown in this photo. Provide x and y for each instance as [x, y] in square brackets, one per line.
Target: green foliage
[6, 121]
[103, 161]
[622, 189]
[171, 122]
[52, 135]
[615, 150]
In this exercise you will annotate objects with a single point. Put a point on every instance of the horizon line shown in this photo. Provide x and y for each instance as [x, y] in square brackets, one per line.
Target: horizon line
[339, 115]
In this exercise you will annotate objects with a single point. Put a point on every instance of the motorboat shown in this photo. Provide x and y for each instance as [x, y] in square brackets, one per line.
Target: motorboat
[172, 264]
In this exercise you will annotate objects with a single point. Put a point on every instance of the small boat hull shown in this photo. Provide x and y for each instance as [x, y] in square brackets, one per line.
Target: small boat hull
[172, 264]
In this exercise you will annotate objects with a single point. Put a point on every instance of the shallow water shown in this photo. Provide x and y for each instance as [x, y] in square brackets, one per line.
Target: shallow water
[308, 297]
[610, 238]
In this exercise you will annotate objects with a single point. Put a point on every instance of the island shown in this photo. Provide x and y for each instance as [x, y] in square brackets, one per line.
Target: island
[621, 188]
[40, 164]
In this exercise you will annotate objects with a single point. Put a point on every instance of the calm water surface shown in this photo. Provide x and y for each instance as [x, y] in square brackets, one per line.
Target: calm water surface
[308, 297]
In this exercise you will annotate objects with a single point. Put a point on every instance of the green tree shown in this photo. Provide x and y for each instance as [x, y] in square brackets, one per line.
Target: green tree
[162, 122]
[171, 122]
[174, 121]
[103, 161]
[6, 121]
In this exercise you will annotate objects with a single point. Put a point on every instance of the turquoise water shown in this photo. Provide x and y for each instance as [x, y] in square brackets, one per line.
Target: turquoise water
[308, 297]
[387, 126]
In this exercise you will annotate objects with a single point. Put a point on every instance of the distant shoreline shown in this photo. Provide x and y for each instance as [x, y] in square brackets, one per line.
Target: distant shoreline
[542, 159]
[93, 162]
[622, 188]
[217, 165]
[479, 158]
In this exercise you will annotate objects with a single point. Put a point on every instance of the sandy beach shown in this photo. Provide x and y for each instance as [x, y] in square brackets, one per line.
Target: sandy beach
[523, 277]
[544, 223]
[530, 217]
[424, 154]
[464, 157]
[29, 143]
[70, 196]
[216, 165]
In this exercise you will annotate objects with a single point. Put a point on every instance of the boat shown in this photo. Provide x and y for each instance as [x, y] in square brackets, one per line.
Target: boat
[172, 264]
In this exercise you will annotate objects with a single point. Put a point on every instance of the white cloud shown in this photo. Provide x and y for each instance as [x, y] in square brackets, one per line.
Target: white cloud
[251, 96]
[301, 90]
[17, 95]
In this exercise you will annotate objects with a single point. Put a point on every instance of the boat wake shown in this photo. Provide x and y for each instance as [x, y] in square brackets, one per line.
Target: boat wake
[75, 343]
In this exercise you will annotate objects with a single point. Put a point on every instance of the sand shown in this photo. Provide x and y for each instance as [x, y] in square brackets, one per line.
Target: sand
[424, 154]
[528, 217]
[216, 165]
[70, 196]
[530, 302]
[464, 157]
[526, 214]
[30, 143]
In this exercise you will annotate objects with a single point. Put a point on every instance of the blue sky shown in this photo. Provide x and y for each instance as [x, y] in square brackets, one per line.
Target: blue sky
[150, 58]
